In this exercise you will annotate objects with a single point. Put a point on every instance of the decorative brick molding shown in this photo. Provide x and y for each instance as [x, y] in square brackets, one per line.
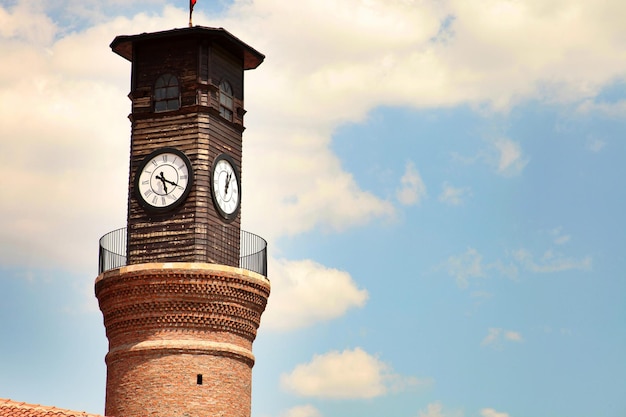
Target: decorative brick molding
[171, 325]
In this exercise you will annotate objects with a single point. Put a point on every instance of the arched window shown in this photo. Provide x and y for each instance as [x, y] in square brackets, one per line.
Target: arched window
[226, 100]
[166, 93]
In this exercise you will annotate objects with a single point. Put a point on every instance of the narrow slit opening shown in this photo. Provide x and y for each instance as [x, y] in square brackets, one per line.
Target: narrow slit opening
[199, 379]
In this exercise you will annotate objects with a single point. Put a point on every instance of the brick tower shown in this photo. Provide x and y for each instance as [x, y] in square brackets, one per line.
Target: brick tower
[182, 288]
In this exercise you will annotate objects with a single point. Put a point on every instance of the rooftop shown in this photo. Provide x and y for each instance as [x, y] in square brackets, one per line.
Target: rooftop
[123, 45]
[10, 408]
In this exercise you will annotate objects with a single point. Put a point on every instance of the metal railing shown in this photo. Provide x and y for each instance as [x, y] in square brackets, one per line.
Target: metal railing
[112, 253]
[252, 251]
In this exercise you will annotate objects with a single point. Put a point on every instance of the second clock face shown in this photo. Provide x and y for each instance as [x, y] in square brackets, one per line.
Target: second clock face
[163, 179]
[226, 187]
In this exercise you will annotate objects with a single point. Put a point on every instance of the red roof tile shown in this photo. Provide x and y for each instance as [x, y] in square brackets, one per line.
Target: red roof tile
[10, 408]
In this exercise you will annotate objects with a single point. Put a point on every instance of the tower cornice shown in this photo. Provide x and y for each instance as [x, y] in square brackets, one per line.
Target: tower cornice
[123, 44]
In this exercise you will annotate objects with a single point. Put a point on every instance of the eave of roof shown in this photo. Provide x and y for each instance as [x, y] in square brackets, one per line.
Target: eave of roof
[123, 44]
[10, 408]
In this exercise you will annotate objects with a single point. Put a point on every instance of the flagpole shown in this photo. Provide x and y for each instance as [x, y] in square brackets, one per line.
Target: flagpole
[191, 4]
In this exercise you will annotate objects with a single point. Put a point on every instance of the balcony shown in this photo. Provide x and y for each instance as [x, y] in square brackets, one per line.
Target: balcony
[252, 251]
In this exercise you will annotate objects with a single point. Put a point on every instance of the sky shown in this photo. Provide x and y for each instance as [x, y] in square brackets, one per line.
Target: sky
[441, 184]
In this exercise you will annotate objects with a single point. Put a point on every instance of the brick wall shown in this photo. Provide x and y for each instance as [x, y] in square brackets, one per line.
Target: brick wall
[169, 324]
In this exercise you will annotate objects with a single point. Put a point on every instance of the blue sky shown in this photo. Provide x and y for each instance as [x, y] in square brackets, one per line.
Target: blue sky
[440, 184]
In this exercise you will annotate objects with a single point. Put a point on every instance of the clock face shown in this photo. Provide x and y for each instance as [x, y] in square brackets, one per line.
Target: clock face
[164, 179]
[226, 187]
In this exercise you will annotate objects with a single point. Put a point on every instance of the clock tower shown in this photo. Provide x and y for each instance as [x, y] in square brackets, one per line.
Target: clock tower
[182, 287]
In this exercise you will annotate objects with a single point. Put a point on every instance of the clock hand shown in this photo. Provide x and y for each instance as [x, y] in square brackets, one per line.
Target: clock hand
[228, 176]
[162, 178]
[170, 182]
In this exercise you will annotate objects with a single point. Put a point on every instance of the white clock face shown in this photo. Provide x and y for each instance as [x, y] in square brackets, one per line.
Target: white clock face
[225, 187]
[164, 179]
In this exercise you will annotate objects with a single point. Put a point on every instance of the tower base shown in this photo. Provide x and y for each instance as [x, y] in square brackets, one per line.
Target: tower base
[180, 338]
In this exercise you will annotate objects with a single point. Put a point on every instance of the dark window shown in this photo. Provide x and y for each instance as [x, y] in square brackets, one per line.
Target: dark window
[166, 93]
[199, 379]
[226, 100]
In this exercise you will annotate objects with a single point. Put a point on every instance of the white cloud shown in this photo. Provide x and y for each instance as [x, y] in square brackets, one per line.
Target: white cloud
[517, 45]
[412, 189]
[497, 336]
[436, 410]
[561, 240]
[550, 262]
[24, 24]
[465, 266]
[432, 410]
[503, 154]
[595, 144]
[495, 52]
[559, 237]
[452, 195]
[306, 185]
[348, 374]
[511, 161]
[305, 292]
[492, 337]
[513, 336]
[490, 412]
[302, 411]
[66, 130]
[615, 110]
[470, 264]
